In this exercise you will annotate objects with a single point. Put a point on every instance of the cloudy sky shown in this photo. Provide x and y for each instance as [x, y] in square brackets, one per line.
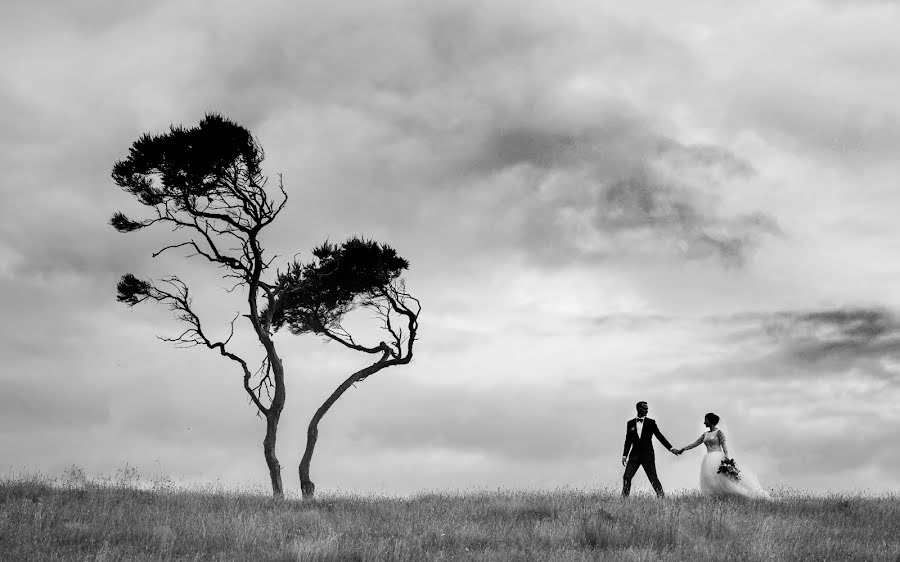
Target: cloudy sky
[693, 205]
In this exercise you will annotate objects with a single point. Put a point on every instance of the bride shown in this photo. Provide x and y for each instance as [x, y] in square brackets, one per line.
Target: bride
[714, 483]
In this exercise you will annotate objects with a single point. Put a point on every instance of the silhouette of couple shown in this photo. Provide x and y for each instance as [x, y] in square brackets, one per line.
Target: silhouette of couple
[638, 452]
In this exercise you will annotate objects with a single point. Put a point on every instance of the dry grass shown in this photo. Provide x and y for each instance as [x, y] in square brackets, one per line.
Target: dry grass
[80, 520]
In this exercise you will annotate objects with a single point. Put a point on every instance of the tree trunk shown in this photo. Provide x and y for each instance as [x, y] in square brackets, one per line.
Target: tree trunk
[273, 414]
[307, 487]
[269, 452]
[272, 418]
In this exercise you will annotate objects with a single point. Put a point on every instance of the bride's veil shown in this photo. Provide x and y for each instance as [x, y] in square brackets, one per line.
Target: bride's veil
[750, 461]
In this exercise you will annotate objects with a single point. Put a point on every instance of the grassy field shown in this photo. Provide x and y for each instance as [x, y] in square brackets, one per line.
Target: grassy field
[42, 520]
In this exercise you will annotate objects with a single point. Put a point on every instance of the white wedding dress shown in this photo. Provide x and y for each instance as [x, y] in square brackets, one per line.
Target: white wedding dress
[713, 483]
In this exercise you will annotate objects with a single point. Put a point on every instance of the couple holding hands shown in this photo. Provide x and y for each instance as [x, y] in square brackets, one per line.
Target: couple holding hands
[719, 474]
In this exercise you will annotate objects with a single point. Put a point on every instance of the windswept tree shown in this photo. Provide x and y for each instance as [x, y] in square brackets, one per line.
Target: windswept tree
[206, 184]
[317, 296]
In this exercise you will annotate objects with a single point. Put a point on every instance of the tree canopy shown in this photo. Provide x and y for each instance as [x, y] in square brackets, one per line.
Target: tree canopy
[318, 294]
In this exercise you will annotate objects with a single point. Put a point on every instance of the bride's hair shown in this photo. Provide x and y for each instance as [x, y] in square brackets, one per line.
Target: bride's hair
[712, 418]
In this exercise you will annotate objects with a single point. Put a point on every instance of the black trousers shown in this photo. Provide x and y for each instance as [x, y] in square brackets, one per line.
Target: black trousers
[631, 468]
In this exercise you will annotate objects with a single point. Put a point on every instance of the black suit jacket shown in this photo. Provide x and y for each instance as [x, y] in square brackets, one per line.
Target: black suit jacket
[642, 447]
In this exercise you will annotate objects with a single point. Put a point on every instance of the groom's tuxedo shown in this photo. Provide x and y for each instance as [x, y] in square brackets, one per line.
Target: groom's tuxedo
[639, 450]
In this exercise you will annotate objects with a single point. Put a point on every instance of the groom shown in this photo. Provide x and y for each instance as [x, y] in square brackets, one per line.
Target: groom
[639, 433]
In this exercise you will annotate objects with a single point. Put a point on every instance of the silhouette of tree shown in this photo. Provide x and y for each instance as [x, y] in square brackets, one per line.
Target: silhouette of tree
[318, 295]
[206, 183]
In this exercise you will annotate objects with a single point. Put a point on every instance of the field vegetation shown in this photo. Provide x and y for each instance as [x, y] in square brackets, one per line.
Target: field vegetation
[76, 519]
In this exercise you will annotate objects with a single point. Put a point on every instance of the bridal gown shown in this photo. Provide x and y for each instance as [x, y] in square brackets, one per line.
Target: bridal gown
[714, 484]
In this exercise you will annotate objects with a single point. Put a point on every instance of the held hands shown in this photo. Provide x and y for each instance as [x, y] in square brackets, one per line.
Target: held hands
[676, 452]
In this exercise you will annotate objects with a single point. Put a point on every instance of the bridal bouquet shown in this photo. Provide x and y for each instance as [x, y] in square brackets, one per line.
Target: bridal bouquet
[729, 468]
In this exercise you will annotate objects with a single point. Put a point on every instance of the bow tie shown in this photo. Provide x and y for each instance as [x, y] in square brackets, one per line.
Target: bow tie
[640, 420]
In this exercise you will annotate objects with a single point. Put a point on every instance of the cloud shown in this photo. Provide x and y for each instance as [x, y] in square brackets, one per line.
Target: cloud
[771, 356]
[860, 3]
[499, 114]
[39, 401]
[91, 18]
[861, 340]
[858, 131]
[865, 341]
[822, 101]
[581, 177]
[573, 186]
[512, 423]
[848, 446]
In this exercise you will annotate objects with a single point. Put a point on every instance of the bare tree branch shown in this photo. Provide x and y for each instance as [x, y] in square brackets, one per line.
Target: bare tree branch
[179, 301]
[348, 342]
